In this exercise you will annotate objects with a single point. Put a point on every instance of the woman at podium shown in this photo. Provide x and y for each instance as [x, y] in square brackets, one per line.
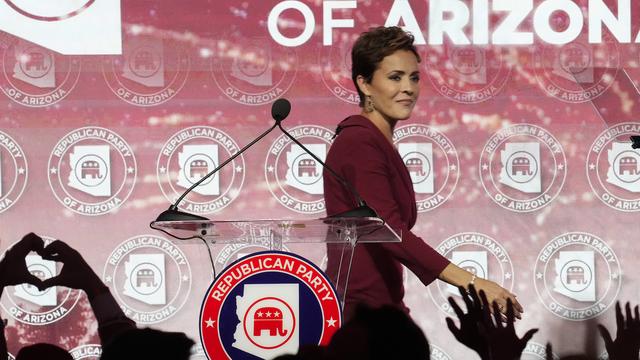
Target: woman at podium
[386, 74]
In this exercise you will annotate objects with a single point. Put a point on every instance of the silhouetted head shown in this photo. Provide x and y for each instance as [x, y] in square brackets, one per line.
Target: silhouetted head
[382, 333]
[148, 344]
[43, 351]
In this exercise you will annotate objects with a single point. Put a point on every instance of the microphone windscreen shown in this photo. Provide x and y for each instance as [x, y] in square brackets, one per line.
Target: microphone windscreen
[280, 109]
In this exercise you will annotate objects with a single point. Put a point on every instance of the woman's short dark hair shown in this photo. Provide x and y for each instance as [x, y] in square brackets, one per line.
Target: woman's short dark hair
[373, 46]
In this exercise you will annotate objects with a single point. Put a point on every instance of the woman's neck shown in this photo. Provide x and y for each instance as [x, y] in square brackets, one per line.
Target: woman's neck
[385, 126]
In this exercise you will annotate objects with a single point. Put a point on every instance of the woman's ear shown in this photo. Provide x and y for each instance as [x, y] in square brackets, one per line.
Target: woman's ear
[363, 85]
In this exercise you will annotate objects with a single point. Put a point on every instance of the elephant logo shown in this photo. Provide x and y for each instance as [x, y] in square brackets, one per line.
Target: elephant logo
[268, 318]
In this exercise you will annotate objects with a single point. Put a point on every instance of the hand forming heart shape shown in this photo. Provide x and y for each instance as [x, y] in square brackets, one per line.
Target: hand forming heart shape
[13, 267]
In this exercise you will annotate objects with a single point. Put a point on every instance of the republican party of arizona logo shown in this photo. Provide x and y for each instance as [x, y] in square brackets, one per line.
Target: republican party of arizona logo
[467, 74]
[335, 63]
[478, 254]
[578, 71]
[268, 304]
[252, 71]
[293, 176]
[36, 77]
[150, 277]
[523, 167]
[27, 304]
[92, 171]
[13, 171]
[189, 155]
[613, 168]
[87, 352]
[577, 276]
[432, 162]
[150, 71]
[535, 351]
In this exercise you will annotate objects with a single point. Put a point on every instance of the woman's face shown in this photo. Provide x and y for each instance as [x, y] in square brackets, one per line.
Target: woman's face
[394, 88]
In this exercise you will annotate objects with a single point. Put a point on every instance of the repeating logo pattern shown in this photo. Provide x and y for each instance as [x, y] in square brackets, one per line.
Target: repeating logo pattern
[613, 170]
[523, 168]
[432, 161]
[577, 276]
[13, 171]
[188, 156]
[28, 305]
[335, 62]
[467, 74]
[92, 171]
[150, 277]
[293, 176]
[578, 71]
[251, 71]
[36, 77]
[480, 255]
[150, 72]
[267, 304]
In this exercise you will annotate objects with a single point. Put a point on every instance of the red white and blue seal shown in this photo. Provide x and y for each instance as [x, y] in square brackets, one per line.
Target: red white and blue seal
[268, 304]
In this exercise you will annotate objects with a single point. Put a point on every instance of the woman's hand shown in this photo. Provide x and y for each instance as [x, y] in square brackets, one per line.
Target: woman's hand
[499, 295]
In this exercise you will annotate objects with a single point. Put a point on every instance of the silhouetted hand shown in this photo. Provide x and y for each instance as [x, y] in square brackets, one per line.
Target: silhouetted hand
[13, 267]
[75, 273]
[503, 342]
[484, 331]
[626, 346]
[470, 333]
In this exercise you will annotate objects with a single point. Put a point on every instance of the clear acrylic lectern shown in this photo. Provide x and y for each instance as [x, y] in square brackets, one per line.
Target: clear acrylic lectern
[340, 233]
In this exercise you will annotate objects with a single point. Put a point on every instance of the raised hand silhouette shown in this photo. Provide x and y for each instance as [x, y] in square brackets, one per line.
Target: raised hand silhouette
[13, 267]
[626, 345]
[485, 331]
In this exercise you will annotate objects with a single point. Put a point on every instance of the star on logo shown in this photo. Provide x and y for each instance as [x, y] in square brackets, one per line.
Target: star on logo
[107, 279]
[20, 171]
[129, 170]
[453, 168]
[485, 167]
[331, 322]
[238, 169]
[53, 170]
[592, 167]
[185, 278]
[560, 166]
[270, 168]
[614, 276]
[163, 170]
[209, 322]
[507, 276]
[539, 275]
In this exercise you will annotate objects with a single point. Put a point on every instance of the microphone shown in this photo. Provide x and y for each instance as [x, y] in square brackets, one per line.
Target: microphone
[363, 210]
[279, 111]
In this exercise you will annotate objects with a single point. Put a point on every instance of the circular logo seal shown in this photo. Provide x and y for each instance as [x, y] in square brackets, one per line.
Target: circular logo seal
[92, 171]
[150, 277]
[613, 170]
[251, 71]
[432, 162]
[55, 10]
[36, 77]
[577, 276]
[89, 352]
[523, 168]
[437, 353]
[535, 351]
[293, 176]
[267, 304]
[578, 71]
[13, 171]
[28, 305]
[335, 62]
[188, 156]
[150, 72]
[480, 255]
[467, 74]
